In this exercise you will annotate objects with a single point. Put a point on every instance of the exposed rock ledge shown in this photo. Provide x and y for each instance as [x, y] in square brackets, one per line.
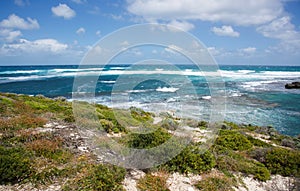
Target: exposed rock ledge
[293, 85]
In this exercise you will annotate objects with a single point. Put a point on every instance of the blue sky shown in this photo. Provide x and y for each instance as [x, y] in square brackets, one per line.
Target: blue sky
[235, 32]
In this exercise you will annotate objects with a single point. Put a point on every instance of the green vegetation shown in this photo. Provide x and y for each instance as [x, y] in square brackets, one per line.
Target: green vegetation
[279, 160]
[15, 165]
[231, 161]
[215, 182]
[151, 182]
[30, 154]
[233, 140]
[99, 177]
[191, 160]
[148, 140]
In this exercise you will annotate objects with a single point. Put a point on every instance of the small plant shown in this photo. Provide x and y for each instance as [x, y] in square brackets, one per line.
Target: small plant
[233, 140]
[15, 165]
[99, 177]
[151, 182]
[149, 140]
[191, 160]
[228, 160]
[279, 160]
[215, 183]
[170, 124]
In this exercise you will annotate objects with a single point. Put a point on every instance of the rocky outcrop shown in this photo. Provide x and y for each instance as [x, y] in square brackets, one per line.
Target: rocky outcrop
[293, 85]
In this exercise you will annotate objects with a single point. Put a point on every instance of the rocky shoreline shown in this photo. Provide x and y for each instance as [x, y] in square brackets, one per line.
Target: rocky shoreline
[75, 156]
[293, 85]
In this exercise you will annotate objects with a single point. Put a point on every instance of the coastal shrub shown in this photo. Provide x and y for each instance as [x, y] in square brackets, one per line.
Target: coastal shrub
[279, 160]
[106, 125]
[140, 114]
[169, 123]
[148, 140]
[21, 122]
[108, 115]
[191, 160]
[229, 160]
[101, 177]
[151, 182]
[196, 124]
[42, 147]
[233, 140]
[231, 125]
[257, 142]
[15, 165]
[215, 183]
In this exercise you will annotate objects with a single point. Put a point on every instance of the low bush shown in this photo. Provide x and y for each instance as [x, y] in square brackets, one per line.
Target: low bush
[233, 140]
[21, 122]
[15, 165]
[151, 182]
[99, 177]
[148, 140]
[279, 160]
[228, 161]
[215, 183]
[169, 123]
[191, 160]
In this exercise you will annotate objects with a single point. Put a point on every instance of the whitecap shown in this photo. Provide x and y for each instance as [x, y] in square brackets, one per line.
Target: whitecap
[166, 89]
[206, 97]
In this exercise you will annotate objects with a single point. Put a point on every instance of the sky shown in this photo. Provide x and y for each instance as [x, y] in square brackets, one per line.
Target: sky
[252, 32]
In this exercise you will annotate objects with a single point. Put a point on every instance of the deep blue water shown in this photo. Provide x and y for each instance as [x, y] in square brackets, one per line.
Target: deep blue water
[254, 94]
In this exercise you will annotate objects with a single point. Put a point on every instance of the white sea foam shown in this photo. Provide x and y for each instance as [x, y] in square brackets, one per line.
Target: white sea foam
[137, 91]
[206, 97]
[108, 82]
[21, 72]
[166, 89]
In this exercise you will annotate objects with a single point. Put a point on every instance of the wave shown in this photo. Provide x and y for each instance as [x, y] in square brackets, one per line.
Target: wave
[206, 97]
[137, 91]
[21, 72]
[108, 82]
[235, 75]
[166, 89]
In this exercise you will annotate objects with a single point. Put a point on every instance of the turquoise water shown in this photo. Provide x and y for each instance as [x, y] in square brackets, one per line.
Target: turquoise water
[254, 94]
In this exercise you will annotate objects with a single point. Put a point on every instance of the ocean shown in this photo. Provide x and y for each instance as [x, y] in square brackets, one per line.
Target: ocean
[253, 94]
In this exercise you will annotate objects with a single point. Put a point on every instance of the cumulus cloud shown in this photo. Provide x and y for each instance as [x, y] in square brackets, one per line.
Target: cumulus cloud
[79, 1]
[9, 35]
[81, 30]
[40, 45]
[183, 25]
[249, 50]
[285, 31]
[225, 31]
[21, 2]
[63, 10]
[98, 33]
[14, 21]
[245, 13]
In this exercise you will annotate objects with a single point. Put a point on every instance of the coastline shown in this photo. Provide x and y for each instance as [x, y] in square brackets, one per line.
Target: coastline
[44, 129]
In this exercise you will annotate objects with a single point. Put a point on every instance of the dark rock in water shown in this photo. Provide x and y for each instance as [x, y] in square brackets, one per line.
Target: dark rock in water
[293, 85]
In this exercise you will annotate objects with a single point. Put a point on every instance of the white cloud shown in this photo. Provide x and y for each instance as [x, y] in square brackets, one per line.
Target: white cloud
[40, 45]
[79, 1]
[9, 35]
[14, 21]
[80, 31]
[225, 31]
[183, 25]
[98, 33]
[251, 12]
[21, 2]
[63, 10]
[280, 28]
[285, 31]
[247, 51]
